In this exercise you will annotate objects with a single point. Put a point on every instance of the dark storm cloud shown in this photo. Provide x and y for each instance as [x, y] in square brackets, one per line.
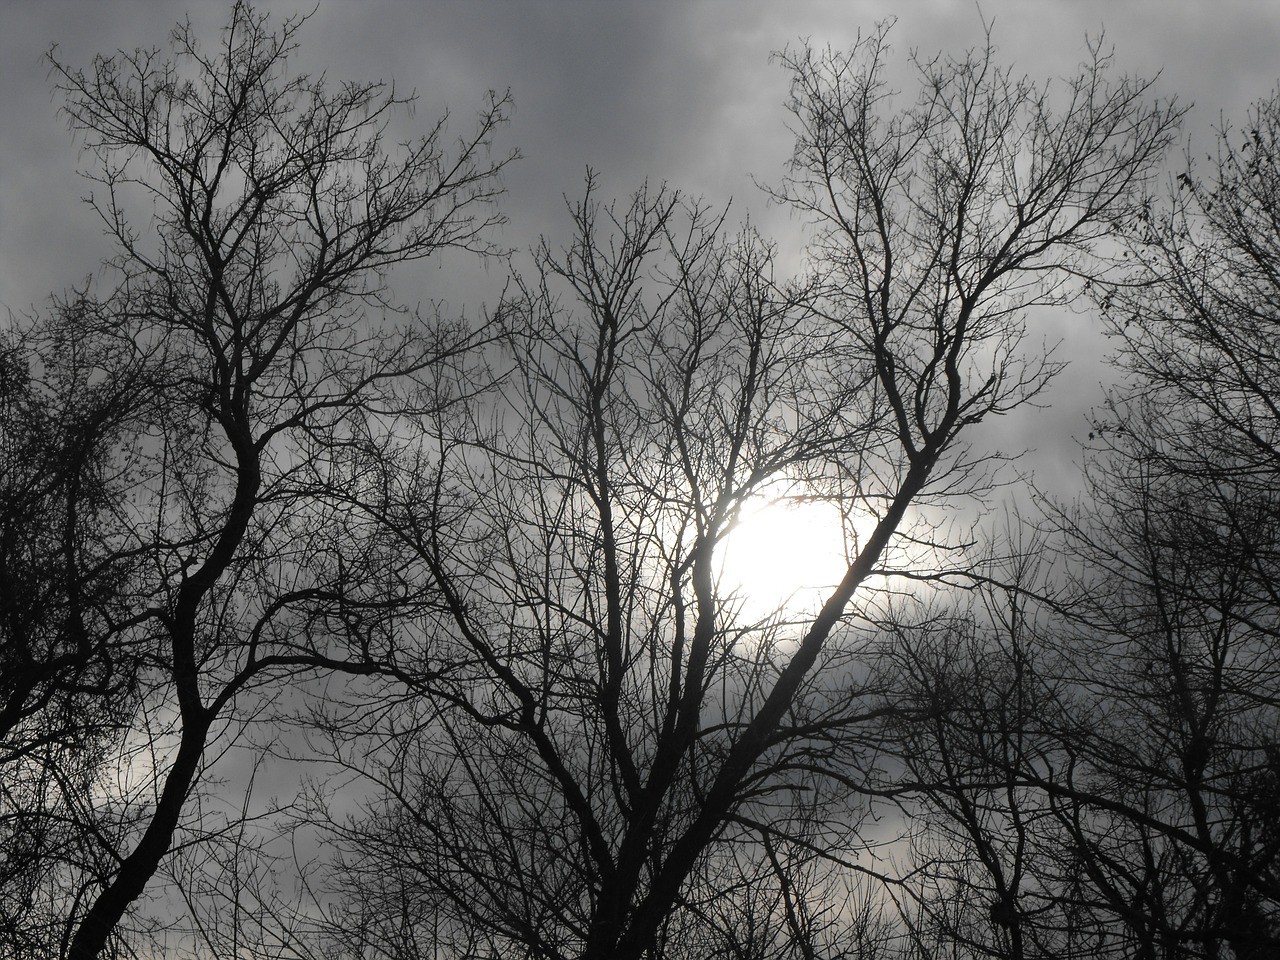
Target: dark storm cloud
[681, 92]
[676, 92]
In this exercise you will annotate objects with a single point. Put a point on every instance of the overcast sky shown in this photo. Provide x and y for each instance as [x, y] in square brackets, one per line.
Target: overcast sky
[681, 92]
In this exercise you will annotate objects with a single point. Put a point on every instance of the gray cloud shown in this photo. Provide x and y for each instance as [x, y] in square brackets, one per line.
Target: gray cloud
[681, 92]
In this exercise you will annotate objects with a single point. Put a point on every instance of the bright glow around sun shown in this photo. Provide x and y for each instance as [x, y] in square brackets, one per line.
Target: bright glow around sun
[785, 555]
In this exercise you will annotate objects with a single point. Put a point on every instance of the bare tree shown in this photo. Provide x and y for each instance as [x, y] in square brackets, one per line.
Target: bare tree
[63, 684]
[1097, 766]
[1154, 769]
[1185, 476]
[994, 869]
[257, 293]
[612, 727]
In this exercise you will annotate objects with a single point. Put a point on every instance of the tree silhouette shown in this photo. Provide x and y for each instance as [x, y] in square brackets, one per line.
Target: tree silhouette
[614, 734]
[1143, 780]
[255, 300]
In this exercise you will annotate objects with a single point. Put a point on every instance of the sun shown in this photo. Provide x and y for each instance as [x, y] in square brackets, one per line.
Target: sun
[785, 556]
